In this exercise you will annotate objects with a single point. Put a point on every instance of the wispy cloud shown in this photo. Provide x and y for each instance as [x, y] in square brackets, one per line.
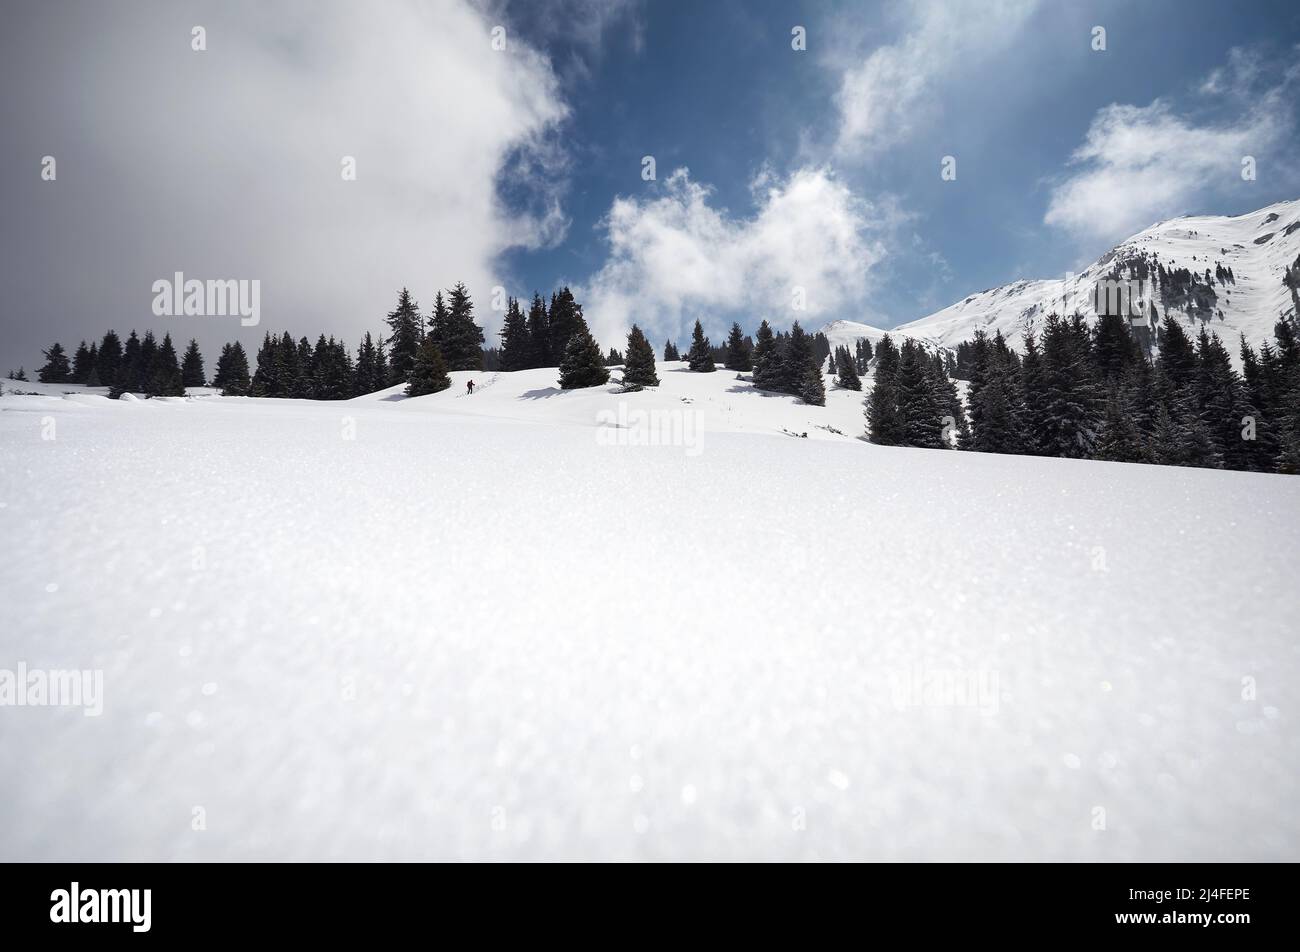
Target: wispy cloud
[1139, 164]
[883, 98]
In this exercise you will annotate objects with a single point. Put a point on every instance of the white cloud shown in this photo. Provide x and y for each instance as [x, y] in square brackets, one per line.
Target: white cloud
[1141, 164]
[676, 257]
[226, 162]
[882, 99]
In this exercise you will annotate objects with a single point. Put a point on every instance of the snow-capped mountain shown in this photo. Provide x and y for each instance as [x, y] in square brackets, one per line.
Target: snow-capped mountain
[1225, 271]
[847, 333]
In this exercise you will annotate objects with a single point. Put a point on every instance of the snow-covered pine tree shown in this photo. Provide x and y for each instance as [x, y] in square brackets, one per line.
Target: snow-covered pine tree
[429, 375]
[639, 365]
[700, 357]
[583, 365]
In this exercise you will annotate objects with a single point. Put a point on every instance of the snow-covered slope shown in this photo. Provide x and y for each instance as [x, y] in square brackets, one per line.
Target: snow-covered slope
[478, 627]
[848, 333]
[1258, 247]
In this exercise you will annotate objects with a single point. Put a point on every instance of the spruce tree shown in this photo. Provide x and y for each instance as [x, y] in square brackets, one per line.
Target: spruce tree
[403, 341]
[81, 363]
[737, 357]
[165, 373]
[232, 371]
[192, 374]
[639, 365]
[539, 335]
[429, 375]
[109, 358]
[462, 341]
[847, 374]
[700, 356]
[515, 343]
[797, 358]
[565, 319]
[583, 365]
[57, 368]
[766, 359]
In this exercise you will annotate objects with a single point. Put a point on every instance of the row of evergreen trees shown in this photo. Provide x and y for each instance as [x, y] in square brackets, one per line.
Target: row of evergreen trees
[141, 365]
[1094, 393]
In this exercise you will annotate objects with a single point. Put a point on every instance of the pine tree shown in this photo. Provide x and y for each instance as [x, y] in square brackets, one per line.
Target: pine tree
[404, 323]
[109, 358]
[766, 359]
[515, 342]
[56, 369]
[462, 341]
[127, 377]
[918, 407]
[737, 353]
[583, 365]
[700, 356]
[813, 388]
[671, 352]
[165, 372]
[797, 358]
[539, 335]
[81, 363]
[369, 378]
[639, 366]
[192, 374]
[232, 371]
[565, 320]
[429, 375]
[847, 373]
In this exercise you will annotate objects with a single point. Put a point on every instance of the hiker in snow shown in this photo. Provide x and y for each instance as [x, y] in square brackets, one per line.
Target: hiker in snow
[470, 386]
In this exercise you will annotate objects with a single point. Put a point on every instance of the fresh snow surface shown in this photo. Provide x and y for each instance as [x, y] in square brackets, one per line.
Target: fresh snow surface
[483, 628]
[1258, 247]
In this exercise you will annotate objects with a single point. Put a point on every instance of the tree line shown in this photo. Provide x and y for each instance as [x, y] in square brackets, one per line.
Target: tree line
[1094, 392]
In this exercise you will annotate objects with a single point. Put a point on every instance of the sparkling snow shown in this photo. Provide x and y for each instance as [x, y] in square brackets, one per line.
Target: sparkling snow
[482, 629]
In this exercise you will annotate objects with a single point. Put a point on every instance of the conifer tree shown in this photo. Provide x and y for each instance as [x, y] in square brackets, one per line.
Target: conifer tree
[737, 357]
[429, 375]
[847, 373]
[796, 358]
[539, 335]
[109, 358]
[165, 373]
[80, 364]
[462, 341]
[515, 342]
[583, 365]
[766, 359]
[565, 319]
[192, 374]
[232, 371]
[57, 368]
[639, 366]
[700, 356]
[403, 341]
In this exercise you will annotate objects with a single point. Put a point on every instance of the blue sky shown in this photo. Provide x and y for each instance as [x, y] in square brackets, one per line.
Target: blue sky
[1010, 93]
[789, 184]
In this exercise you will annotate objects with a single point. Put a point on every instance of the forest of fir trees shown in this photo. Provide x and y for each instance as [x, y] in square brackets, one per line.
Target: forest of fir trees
[1075, 390]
